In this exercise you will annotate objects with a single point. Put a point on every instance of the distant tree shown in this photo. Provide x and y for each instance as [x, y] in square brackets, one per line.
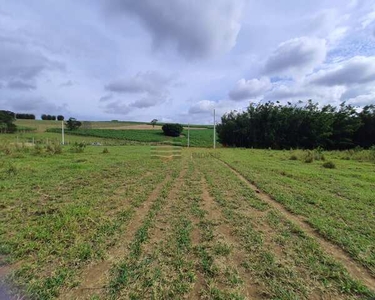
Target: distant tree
[25, 116]
[172, 129]
[6, 121]
[153, 122]
[53, 118]
[44, 117]
[60, 118]
[73, 124]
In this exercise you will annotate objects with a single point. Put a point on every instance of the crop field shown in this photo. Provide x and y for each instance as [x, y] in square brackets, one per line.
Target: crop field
[198, 138]
[214, 224]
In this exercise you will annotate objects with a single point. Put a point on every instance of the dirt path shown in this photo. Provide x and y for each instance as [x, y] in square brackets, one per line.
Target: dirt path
[357, 271]
[95, 276]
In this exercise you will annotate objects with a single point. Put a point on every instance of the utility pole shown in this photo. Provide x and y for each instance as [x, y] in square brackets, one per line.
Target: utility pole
[188, 135]
[62, 132]
[214, 130]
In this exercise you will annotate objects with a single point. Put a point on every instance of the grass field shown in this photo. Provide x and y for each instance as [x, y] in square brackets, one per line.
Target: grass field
[109, 133]
[224, 224]
[198, 138]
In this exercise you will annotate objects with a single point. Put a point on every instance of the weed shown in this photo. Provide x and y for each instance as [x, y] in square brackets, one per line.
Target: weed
[329, 165]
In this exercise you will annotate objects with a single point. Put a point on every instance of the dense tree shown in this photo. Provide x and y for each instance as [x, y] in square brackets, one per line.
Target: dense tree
[60, 118]
[172, 129]
[48, 117]
[73, 124]
[6, 122]
[25, 116]
[301, 125]
[365, 135]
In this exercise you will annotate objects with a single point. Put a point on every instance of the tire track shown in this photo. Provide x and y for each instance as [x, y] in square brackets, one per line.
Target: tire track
[95, 276]
[356, 270]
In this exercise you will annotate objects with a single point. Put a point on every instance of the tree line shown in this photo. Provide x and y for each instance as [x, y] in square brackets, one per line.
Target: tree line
[25, 116]
[302, 125]
[52, 117]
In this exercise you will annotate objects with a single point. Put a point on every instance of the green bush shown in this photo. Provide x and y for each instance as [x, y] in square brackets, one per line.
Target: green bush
[54, 148]
[78, 147]
[172, 129]
[105, 150]
[293, 157]
[309, 158]
[329, 165]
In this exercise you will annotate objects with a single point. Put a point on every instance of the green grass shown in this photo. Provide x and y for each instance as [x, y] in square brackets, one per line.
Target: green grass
[338, 202]
[205, 234]
[198, 138]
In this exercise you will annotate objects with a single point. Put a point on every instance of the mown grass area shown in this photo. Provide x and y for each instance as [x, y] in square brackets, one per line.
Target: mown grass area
[338, 202]
[186, 228]
[198, 138]
[61, 211]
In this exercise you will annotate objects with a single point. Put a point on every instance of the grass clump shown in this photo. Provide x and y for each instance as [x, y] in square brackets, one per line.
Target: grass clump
[78, 147]
[105, 151]
[293, 157]
[329, 165]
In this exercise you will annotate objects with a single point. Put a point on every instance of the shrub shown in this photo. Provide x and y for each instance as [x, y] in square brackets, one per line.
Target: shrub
[329, 165]
[54, 148]
[73, 124]
[105, 150]
[172, 129]
[293, 157]
[78, 147]
[309, 158]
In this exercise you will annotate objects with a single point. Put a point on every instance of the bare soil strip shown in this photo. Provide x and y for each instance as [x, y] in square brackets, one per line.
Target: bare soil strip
[357, 271]
[237, 256]
[95, 276]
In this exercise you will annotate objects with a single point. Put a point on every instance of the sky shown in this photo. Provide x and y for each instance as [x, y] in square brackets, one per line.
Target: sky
[177, 60]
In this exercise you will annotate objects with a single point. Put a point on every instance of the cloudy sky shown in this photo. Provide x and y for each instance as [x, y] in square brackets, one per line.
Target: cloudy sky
[176, 60]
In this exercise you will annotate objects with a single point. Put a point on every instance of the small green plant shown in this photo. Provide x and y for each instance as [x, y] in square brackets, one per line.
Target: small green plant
[78, 147]
[38, 149]
[329, 165]
[293, 157]
[105, 151]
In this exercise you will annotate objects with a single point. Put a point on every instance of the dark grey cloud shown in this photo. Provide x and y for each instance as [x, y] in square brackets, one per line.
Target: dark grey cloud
[117, 108]
[150, 87]
[20, 85]
[297, 56]
[357, 70]
[67, 83]
[105, 98]
[152, 83]
[147, 102]
[19, 62]
[202, 107]
[198, 29]
[33, 104]
[247, 89]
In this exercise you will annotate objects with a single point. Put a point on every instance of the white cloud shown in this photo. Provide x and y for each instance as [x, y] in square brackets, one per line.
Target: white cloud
[202, 107]
[296, 57]
[357, 70]
[248, 89]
